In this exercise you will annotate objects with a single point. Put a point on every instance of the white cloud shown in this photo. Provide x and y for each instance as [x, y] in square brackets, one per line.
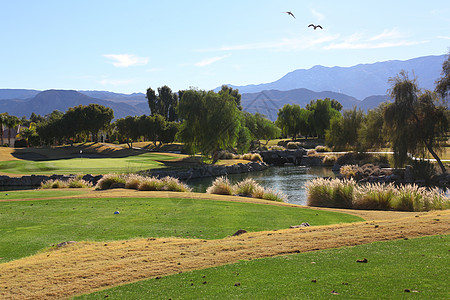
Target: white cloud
[317, 14]
[444, 37]
[208, 61]
[346, 45]
[387, 34]
[126, 60]
[116, 81]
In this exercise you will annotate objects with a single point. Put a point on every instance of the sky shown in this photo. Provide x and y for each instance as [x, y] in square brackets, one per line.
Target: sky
[129, 46]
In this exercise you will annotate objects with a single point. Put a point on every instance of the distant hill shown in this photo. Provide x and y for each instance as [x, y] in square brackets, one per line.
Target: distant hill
[47, 101]
[116, 97]
[269, 102]
[360, 81]
[17, 93]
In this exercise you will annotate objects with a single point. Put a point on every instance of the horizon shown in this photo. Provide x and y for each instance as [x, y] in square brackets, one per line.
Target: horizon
[128, 47]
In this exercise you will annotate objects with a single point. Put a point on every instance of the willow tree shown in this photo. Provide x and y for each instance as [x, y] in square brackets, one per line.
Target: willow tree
[443, 84]
[414, 121]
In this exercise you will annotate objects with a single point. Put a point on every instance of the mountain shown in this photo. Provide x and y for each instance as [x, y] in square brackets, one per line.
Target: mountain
[117, 97]
[47, 101]
[358, 81]
[269, 102]
[17, 93]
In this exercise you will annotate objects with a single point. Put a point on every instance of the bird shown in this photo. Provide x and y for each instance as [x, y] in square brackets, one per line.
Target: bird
[315, 26]
[290, 13]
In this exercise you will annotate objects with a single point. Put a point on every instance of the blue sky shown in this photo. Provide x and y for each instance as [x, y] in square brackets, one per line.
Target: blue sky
[128, 46]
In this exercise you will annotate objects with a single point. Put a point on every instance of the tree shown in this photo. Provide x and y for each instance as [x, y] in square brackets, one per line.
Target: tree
[233, 93]
[443, 84]
[322, 113]
[414, 121]
[28, 133]
[343, 132]
[128, 129]
[291, 120]
[164, 103]
[372, 133]
[11, 122]
[2, 122]
[211, 121]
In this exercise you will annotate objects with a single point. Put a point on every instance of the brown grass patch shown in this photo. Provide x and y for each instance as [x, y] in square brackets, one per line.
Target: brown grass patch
[90, 266]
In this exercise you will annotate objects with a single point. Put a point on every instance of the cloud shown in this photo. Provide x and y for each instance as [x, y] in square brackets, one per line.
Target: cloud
[126, 60]
[207, 61]
[387, 39]
[318, 15]
[444, 37]
[116, 81]
[280, 45]
[387, 34]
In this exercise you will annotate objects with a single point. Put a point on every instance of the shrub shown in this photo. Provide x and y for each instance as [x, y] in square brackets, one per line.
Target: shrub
[78, 183]
[319, 192]
[329, 160]
[322, 149]
[109, 179]
[374, 196]
[246, 187]
[348, 171]
[256, 157]
[54, 184]
[174, 185]
[132, 181]
[151, 184]
[221, 186]
[247, 156]
[223, 155]
[277, 148]
[311, 152]
[258, 192]
[293, 145]
[273, 195]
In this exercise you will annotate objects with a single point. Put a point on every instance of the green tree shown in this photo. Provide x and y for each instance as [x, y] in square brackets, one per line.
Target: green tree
[2, 122]
[322, 113]
[288, 120]
[28, 133]
[343, 132]
[128, 129]
[164, 103]
[233, 93]
[414, 121]
[443, 84]
[11, 122]
[211, 121]
[372, 134]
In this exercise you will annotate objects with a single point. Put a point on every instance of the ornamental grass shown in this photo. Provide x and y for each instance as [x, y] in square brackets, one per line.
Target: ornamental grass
[62, 184]
[347, 194]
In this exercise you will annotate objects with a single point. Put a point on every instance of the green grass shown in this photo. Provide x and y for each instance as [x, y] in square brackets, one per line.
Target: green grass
[420, 265]
[30, 194]
[85, 165]
[29, 226]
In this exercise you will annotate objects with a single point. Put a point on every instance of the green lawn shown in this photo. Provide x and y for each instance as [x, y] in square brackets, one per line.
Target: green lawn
[85, 165]
[29, 226]
[421, 266]
[31, 194]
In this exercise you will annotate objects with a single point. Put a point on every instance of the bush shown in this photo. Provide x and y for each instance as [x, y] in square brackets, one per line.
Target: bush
[329, 160]
[273, 195]
[277, 148]
[311, 152]
[293, 145]
[221, 186]
[151, 184]
[348, 171]
[54, 184]
[132, 181]
[423, 169]
[78, 183]
[174, 185]
[108, 180]
[322, 149]
[246, 187]
[347, 194]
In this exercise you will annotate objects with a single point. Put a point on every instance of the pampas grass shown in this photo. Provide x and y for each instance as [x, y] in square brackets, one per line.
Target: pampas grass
[348, 194]
[247, 188]
[108, 180]
[62, 184]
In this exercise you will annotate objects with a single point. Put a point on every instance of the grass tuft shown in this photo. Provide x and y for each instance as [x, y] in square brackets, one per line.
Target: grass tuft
[221, 186]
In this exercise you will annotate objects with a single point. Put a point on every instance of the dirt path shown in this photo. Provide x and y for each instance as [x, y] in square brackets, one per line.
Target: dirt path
[86, 267]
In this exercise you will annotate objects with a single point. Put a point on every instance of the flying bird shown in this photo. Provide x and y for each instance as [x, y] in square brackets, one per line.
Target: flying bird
[315, 26]
[290, 13]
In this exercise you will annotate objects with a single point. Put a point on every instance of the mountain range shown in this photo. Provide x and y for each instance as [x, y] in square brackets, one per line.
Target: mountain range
[363, 85]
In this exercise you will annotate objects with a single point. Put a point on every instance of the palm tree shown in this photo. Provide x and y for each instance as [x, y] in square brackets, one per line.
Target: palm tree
[11, 122]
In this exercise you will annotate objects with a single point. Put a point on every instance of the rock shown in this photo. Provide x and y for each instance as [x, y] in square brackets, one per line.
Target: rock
[239, 232]
[301, 225]
[64, 244]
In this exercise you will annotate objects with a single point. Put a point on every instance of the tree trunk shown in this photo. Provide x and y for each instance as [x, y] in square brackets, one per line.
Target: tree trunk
[436, 157]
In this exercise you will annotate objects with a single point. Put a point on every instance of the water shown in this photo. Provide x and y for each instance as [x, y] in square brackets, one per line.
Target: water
[288, 180]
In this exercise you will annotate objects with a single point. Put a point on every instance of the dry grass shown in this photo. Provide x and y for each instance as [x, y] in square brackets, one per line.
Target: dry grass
[86, 267]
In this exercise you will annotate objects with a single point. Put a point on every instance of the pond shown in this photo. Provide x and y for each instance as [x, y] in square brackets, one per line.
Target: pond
[288, 180]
